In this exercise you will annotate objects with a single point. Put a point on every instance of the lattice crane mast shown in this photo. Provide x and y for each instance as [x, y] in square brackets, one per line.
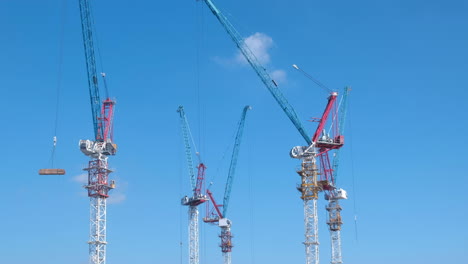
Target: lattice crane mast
[309, 171]
[98, 149]
[325, 143]
[216, 216]
[197, 185]
[333, 196]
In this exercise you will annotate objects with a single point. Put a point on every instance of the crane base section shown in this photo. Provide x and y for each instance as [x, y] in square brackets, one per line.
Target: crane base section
[51, 172]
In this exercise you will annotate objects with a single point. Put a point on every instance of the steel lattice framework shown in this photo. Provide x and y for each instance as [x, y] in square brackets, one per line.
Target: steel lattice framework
[333, 196]
[197, 197]
[216, 215]
[98, 188]
[226, 243]
[321, 141]
[309, 194]
[334, 222]
[97, 234]
[194, 257]
[98, 150]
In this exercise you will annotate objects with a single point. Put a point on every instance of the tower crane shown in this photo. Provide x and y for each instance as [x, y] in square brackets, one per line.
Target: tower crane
[99, 149]
[309, 172]
[216, 216]
[197, 185]
[327, 142]
[323, 143]
[334, 209]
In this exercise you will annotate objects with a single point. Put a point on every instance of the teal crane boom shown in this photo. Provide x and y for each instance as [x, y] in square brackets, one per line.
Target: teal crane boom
[233, 165]
[98, 149]
[220, 217]
[197, 197]
[269, 82]
[341, 125]
[188, 148]
[334, 209]
[88, 41]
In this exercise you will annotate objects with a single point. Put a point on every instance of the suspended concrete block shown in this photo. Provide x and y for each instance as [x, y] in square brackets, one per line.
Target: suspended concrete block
[51, 172]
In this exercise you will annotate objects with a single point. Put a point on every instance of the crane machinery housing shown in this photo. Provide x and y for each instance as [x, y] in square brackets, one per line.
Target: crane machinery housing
[197, 197]
[99, 149]
[316, 147]
[216, 216]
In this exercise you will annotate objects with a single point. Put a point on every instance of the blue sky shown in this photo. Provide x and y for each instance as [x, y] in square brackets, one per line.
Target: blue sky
[406, 62]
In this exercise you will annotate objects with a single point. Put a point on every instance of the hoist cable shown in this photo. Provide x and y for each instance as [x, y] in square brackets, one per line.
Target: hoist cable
[101, 63]
[200, 34]
[63, 19]
[353, 178]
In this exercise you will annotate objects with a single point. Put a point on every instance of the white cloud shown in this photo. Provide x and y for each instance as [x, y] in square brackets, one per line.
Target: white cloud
[116, 198]
[279, 76]
[118, 195]
[82, 178]
[259, 44]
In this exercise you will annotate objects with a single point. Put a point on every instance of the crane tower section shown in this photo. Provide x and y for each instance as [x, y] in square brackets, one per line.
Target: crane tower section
[307, 154]
[317, 175]
[309, 189]
[197, 196]
[334, 196]
[216, 215]
[99, 149]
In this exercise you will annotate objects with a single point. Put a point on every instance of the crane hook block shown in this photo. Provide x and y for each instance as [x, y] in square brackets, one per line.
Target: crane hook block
[51, 172]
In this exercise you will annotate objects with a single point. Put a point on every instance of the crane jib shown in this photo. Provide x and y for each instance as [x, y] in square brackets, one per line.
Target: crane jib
[87, 26]
[260, 70]
[232, 166]
[188, 149]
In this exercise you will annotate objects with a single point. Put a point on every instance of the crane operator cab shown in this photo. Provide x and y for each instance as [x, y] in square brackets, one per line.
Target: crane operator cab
[325, 141]
[224, 222]
[185, 200]
[337, 194]
[94, 148]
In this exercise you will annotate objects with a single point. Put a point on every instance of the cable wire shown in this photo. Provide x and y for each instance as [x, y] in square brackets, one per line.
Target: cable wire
[317, 82]
[63, 19]
[101, 62]
[353, 177]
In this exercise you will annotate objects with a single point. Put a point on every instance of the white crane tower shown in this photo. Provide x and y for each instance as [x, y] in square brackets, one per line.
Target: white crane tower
[197, 184]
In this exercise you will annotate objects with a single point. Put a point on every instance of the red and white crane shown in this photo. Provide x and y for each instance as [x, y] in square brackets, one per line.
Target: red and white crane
[197, 197]
[328, 143]
[334, 196]
[311, 185]
[216, 215]
[99, 149]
